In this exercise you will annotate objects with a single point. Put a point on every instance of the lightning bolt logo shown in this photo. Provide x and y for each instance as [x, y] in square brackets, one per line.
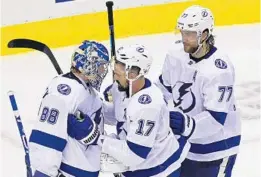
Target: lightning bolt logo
[183, 90]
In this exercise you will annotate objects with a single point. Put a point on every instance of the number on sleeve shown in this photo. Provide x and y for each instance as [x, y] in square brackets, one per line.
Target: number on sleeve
[149, 127]
[139, 131]
[51, 115]
[223, 90]
[44, 114]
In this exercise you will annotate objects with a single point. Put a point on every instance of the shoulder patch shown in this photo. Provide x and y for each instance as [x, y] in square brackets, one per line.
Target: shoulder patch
[220, 64]
[64, 89]
[145, 99]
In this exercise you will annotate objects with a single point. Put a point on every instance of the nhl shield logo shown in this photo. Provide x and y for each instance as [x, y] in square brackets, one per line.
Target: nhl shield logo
[64, 89]
[220, 64]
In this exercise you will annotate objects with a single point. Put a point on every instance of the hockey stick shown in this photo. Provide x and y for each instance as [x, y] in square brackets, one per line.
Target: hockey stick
[21, 132]
[109, 5]
[31, 44]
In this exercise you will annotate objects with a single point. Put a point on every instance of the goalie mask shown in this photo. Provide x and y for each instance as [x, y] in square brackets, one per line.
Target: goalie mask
[92, 59]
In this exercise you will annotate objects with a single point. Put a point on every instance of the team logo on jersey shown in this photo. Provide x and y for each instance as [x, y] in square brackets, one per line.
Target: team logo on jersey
[220, 64]
[185, 99]
[144, 99]
[64, 89]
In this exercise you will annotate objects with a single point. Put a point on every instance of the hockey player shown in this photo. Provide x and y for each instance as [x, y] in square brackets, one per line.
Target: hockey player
[199, 79]
[67, 111]
[145, 144]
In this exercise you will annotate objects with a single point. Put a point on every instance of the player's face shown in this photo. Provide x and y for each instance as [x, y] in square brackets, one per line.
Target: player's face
[120, 74]
[190, 40]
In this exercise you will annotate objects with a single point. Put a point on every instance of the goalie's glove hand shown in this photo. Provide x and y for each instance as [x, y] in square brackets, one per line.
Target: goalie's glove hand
[181, 124]
[83, 128]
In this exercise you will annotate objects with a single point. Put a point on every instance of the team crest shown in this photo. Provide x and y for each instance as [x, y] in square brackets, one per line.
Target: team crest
[64, 89]
[144, 99]
[182, 91]
[220, 64]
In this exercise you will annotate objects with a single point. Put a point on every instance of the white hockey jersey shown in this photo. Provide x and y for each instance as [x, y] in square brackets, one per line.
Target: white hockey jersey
[115, 111]
[204, 89]
[51, 148]
[149, 147]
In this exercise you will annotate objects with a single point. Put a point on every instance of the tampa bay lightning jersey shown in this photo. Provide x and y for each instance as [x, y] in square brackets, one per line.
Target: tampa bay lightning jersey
[118, 107]
[146, 143]
[51, 148]
[204, 89]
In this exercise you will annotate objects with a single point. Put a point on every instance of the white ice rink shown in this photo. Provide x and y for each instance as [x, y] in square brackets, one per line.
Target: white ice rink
[29, 74]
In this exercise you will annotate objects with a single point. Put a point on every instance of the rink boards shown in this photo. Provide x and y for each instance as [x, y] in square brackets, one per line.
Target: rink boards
[58, 30]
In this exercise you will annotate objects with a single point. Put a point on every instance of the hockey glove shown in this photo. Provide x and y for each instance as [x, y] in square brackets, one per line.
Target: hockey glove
[83, 128]
[181, 124]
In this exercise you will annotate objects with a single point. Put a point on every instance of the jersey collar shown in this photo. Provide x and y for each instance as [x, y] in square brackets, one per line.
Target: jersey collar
[70, 75]
[147, 84]
[211, 52]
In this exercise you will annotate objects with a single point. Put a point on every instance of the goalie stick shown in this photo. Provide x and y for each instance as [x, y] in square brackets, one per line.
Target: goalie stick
[32, 44]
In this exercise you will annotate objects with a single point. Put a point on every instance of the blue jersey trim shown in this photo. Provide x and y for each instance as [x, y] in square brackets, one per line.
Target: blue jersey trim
[39, 174]
[219, 116]
[48, 140]
[59, 1]
[209, 54]
[70, 75]
[147, 84]
[162, 167]
[105, 93]
[120, 128]
[97, 117]
[77, 172]
[139, 150]
[167, 87]
[215, 146]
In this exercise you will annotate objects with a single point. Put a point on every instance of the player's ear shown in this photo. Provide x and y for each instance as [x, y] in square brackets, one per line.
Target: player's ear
[204, 35]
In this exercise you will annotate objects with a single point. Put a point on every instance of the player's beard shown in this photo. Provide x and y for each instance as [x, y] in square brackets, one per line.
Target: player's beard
[123, 88]
[189, 49]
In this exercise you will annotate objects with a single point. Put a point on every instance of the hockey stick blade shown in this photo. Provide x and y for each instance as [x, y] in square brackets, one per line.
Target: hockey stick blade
[32, 44]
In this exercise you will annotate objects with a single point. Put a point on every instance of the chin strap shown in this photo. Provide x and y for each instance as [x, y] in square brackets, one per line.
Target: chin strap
[200, 44]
